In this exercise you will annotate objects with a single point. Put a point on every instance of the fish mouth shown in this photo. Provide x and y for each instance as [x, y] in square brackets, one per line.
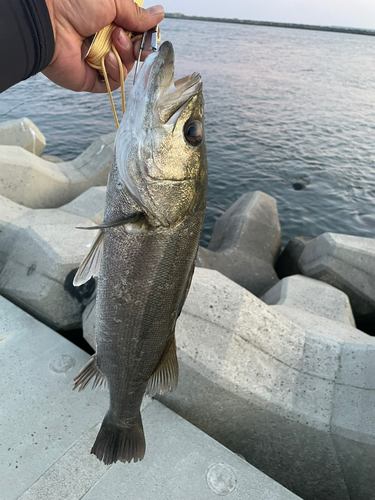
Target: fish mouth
[179, 92]
[169, 96]
[172, 103]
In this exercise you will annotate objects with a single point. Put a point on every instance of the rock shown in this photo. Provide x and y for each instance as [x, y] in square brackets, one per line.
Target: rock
[32, 181]
[40, 252]
[272, 387]
[245, 243]
[287, 263]
[24, 133]
[49, 431]
[312, 296]
[347, 263]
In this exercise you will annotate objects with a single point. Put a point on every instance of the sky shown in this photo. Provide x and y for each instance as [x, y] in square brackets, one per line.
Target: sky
[348, 13]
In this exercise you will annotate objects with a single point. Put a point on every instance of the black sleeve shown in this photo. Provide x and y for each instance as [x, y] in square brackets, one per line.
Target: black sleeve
[26, 40]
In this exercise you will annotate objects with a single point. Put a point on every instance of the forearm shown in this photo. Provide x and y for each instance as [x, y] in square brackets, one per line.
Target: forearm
[26, 40]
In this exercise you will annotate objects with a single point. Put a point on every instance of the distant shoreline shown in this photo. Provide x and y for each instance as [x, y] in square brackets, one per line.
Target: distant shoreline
[353, 31]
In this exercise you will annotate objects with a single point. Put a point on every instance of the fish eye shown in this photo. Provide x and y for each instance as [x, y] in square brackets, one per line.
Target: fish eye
[193, 132]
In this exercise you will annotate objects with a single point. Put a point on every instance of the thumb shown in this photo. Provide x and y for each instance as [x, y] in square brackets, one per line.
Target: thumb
[131, 17]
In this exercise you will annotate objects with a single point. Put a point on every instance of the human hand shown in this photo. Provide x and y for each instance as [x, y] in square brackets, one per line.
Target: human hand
[75, 20]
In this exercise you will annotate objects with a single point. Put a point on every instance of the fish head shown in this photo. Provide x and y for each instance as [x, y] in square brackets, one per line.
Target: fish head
[160, 145]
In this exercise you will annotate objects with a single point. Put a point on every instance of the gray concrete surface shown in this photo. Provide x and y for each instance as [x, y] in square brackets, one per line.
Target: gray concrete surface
[41, 417]
[347, 263]
[245, 243]
[24, 133]
[48, 430]
[295, 398]
[36, 183]
[291, 391]
[313, 296]
[40, 249]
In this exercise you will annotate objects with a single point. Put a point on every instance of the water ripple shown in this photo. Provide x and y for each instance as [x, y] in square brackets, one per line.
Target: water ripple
[282, 107]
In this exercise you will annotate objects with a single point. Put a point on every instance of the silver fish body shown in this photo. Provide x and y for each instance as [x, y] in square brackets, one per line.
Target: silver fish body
[153, 219]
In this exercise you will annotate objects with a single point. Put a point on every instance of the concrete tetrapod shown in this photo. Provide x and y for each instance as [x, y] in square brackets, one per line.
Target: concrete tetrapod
[40, 251]
[48, 431]
[36, 183]
[346, 262]
[245, 243]
[294, 397]
[24, 133]
[312, 296]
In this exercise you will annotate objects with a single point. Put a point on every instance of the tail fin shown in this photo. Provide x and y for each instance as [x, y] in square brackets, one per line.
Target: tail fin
[115, 442]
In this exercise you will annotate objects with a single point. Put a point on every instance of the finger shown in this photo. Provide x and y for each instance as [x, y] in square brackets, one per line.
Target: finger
[124, 48]
[98, 85]
[112, 67]
[94, 82]
[133, 18]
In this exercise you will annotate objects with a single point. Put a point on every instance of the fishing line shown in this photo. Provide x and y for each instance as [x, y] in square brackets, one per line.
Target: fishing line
[99, 48]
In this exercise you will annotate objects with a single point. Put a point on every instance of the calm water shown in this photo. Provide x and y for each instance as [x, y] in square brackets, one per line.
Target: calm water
[282, 107]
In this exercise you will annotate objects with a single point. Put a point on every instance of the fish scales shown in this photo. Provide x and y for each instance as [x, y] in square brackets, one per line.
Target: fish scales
[144, 253]
[139, 296]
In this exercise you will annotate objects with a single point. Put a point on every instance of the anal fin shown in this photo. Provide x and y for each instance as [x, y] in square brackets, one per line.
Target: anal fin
[88, 372]
[165, 377]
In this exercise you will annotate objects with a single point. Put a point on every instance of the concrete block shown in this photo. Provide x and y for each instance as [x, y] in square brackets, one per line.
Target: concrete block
[48, 431]
[181, 462]
[36, 183]
[312, 296]
[245, 243]
[40, 251]
[284, 385]
[259, 383]
[41, 417]
[287, 263]
[24, 133]
[347, 263]
[89, 204]
[278, 389]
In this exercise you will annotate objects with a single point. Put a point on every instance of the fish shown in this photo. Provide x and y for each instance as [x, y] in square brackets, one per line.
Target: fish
[145, 250]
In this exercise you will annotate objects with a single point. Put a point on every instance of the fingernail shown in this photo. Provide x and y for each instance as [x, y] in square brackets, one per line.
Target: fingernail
[155, 10]
[123, 40]
[112, 58]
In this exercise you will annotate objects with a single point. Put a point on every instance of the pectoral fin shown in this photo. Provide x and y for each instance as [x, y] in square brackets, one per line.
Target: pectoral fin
[90, 265]
[115, 223]
[165, 377]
